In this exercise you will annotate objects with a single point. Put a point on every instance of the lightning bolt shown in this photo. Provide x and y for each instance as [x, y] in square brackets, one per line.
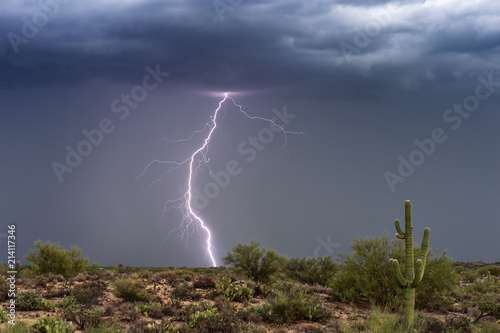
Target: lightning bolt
[196, 160]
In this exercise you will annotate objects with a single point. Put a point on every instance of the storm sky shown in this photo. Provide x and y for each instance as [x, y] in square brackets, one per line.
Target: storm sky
[387, 101]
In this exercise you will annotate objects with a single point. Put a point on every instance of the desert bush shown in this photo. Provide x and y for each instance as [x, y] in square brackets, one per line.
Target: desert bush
[182, 291]
[164, 327]
[488, 304]
[19, 327]
[185, 313]
[257, 263]
[290, 303]
[211, 320]
[489, 269]
[315, 270]
[51, 325]
[365, 275]
[110, 327]
[382, 320]
[153, 310]
[459, 324]
[3, 316]
[88, 294]
[169, 309]
[488, 327]
[204, 282]
[250, 328]
[130, 290]
[81, 277]
[434, 292]
[139, 326]
[55, 278]
[30, 300]
[484, 285]
[434, 325]
[233, 291]
[222, 322]
[53, 258]
[469, 275]
[83, 316]
[129, 312]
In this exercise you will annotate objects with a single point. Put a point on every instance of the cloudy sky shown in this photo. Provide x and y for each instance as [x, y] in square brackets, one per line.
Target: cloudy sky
[396, 100]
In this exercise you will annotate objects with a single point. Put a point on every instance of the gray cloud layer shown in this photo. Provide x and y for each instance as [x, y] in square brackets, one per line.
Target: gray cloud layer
[257, 44]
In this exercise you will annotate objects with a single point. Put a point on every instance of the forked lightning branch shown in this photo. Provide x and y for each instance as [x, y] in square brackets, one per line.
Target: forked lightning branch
[189, 201]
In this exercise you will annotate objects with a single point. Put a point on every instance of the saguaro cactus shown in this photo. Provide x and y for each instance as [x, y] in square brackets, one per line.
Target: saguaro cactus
[413, 274]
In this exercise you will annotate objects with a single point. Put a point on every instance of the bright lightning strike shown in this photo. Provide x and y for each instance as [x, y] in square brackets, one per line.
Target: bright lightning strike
[196, 160]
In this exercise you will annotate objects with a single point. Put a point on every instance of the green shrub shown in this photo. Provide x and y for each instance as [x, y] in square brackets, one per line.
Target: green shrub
[88, 294]
[488, 327]
[489, 269]
[469, 275]
[232, 291]
[19, 327]
[85, 317]
[204, 282]
[53, 258]
[163, 327]
[258, 264]
[488, 304]
[149, 309]
[130, 290]
[434, 292]
[459, 324]
[111, 327]
[365, 276]
[315, 270]
[3, 316]
[434, 325]
[385, 321]
[290, 304]
[199, 316]
[222, 323]
[484, 285]
[182, 291]
[30, 300]
[51, 325]
[365, 273]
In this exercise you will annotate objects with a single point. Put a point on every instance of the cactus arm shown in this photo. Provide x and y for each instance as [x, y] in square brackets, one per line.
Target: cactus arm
[400, 234]
[419, 273]
[396, 273]
[424, 249]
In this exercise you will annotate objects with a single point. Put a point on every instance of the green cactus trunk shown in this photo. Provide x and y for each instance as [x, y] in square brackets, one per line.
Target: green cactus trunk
[413, 274]
[409, 295]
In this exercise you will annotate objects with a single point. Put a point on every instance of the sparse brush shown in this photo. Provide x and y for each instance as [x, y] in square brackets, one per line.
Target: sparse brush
[88, 294]
[316, 270]
[204, 282]
[130, 290]
[30, 300]
[51, 325]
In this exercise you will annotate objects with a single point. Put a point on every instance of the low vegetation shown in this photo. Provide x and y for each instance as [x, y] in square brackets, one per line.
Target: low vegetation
[263, 291]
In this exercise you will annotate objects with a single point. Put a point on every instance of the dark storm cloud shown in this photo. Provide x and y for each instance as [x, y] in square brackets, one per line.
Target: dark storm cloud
[256, 45]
